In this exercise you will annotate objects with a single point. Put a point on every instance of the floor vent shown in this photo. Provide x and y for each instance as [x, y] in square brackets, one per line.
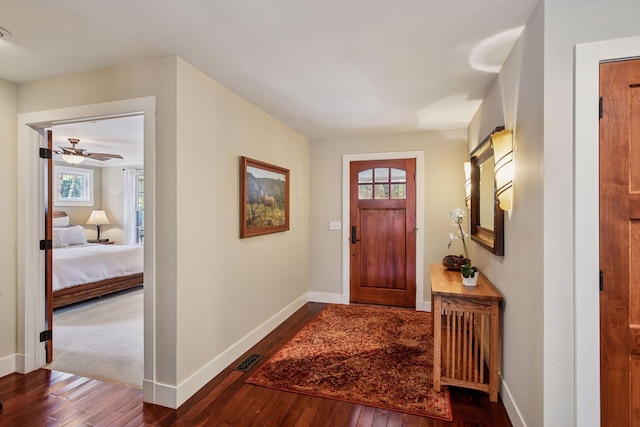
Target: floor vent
[247, 363]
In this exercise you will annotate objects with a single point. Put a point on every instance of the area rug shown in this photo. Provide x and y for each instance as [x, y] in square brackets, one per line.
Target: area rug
[378, 357]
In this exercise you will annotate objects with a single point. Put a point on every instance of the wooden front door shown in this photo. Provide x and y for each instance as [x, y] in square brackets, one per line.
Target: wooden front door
[383, 232]
[620, 243]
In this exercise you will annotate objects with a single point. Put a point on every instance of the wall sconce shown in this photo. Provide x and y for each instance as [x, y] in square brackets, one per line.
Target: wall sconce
[503, 155]
[98, 218]
[467, 184]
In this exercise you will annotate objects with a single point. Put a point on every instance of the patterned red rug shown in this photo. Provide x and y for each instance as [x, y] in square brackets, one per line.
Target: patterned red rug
[374, 356]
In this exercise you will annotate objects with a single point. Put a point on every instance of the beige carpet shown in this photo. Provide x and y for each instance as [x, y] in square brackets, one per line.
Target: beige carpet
[101, 339]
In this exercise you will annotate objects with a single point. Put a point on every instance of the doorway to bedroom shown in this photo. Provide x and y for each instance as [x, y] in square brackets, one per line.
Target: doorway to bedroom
[31, 227]
[95, 182]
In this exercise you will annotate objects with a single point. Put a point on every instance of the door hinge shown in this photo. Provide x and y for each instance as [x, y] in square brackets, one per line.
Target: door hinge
[600, 107]
[601, 280]
[46, 335]
[46, 244]
[46, 153]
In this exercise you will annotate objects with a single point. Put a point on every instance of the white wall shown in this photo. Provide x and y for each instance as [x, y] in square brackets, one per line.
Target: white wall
[567, 23]
[147, 78]
[228, 286]
[444, 155]
[8, 226]
[215, 295]
[515, 100]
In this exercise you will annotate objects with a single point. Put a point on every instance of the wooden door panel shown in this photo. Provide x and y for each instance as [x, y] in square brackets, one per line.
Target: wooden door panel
[383, 248]
[383, 245]
[620, 243]
[48, 218]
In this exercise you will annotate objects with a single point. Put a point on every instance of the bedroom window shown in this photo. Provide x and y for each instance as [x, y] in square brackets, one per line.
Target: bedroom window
[73, 186]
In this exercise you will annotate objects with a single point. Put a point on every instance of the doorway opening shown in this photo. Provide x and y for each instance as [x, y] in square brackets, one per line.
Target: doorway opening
[96, 317]
[31, 227]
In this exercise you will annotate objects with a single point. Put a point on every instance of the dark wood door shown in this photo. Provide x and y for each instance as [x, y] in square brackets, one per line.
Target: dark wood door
[383, 232]
[48, 218]
[620, 243]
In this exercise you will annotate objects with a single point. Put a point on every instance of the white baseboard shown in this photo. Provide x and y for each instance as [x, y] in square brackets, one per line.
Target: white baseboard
[423, 306]
[331, 298]
[325, 297]
[173, 397]
[8, 365]
[510, 405]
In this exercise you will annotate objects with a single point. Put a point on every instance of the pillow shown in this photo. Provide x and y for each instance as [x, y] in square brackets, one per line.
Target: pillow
[63, 237]
[62, 221]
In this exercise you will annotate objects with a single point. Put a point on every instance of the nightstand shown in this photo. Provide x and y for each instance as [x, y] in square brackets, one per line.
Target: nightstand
[103, 242]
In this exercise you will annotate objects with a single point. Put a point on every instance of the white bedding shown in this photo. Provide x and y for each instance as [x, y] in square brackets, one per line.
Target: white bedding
[80, 264]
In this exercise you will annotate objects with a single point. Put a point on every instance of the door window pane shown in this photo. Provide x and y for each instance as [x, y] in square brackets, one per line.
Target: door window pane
[382, 191]
[365, 192]
[398, 191]
[365, 177]
[398, 175]
[382, 174]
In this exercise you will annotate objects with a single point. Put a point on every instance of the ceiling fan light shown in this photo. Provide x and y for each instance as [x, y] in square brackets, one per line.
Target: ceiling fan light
[70, 158]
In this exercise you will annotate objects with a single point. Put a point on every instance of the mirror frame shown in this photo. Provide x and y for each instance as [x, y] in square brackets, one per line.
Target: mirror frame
[491, 240]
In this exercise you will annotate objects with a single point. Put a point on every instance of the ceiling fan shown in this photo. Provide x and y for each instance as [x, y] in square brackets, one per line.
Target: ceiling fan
[76, 155]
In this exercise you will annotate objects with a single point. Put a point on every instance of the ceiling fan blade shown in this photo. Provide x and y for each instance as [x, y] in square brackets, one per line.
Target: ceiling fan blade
[103, 156]
[71, 150]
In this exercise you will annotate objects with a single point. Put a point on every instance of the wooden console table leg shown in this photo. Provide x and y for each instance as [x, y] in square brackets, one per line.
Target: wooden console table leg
[437, 342]
[493, 351]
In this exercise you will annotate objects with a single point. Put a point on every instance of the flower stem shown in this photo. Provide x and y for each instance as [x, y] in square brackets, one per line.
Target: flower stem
[464, 245]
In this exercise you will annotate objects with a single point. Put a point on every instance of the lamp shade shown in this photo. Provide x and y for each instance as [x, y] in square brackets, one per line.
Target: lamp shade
[503, 155]
[74, 160]
[98, 217]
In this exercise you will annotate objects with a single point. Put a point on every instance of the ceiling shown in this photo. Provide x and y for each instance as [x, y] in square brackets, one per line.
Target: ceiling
[122, 135]
[326, 68]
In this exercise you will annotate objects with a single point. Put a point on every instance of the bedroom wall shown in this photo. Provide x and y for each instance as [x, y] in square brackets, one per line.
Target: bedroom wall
[113, 202]
[516, 101]
[444, 155]
[229, 286]
[8, 226]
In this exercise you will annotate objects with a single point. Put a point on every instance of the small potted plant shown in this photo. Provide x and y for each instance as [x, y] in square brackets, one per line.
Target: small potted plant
[469, 275]
[455, 262]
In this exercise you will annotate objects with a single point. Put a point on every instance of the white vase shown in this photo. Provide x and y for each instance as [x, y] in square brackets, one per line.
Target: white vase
[470, 281]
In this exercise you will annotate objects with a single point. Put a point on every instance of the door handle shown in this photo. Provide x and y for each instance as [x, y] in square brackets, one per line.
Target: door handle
[354, 237]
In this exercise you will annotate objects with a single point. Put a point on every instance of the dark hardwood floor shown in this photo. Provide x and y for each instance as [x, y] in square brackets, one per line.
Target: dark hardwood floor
[51, 398]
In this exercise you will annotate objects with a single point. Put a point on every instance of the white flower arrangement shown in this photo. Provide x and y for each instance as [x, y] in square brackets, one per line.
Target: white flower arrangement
[457, 215]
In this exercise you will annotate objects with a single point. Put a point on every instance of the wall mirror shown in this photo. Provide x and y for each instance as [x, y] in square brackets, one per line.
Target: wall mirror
[487, 219]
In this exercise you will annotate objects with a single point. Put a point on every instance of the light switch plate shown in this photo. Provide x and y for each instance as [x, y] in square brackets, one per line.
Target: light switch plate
[335, 225]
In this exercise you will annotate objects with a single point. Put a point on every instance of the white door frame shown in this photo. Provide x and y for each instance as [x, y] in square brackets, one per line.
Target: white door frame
[346, 162]
[588, 57]
[31, 272]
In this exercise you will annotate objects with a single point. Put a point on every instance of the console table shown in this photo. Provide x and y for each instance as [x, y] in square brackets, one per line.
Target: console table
[463, 317]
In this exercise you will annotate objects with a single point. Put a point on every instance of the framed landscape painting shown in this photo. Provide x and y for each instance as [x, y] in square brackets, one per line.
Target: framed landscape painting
[264, 198]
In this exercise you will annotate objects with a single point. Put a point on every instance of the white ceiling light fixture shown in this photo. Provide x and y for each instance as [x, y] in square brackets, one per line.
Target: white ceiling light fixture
[4, 34]
[72, 158]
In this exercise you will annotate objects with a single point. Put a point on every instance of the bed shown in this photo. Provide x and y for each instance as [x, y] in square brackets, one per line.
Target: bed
[83, 270]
